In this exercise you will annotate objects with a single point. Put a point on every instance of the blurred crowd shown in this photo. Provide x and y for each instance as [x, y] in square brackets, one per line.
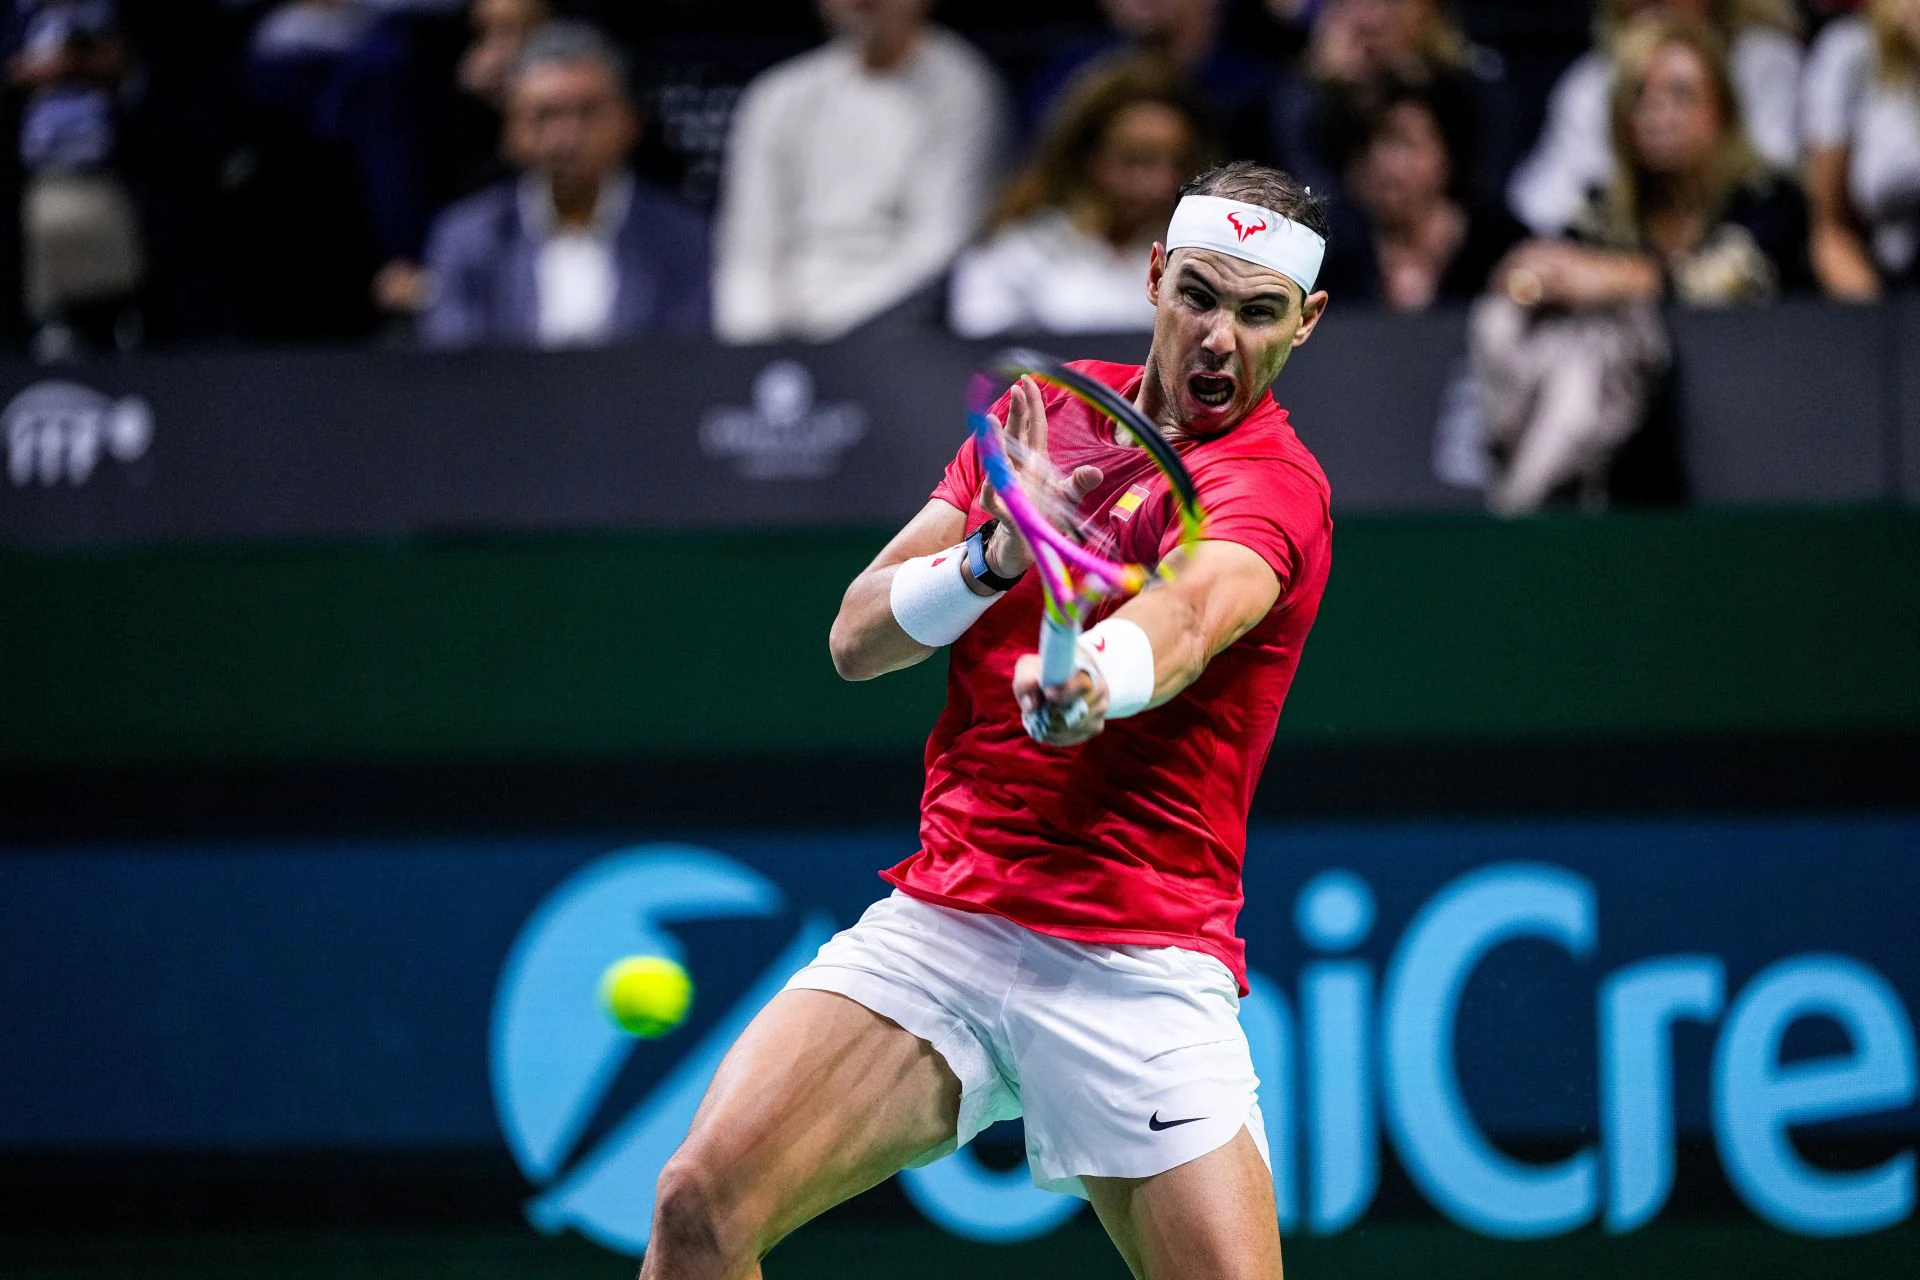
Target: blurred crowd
[534, 172]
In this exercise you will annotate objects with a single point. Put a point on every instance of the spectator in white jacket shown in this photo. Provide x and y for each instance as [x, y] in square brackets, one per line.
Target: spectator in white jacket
[1072, 234]
[854, 174]
[1574, 153]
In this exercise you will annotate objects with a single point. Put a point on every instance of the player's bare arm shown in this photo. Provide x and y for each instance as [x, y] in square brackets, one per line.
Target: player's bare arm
[867, 638]
[1217, 593]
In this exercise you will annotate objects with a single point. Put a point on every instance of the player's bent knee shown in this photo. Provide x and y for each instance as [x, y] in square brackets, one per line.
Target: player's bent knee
[697, 1222]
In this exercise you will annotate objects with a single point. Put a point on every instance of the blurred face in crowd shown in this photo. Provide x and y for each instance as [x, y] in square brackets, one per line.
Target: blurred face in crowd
[1383, 33]
[572, 122]
[884, 29]
[1156, 19]
[1222, 331]
[500, 30]
[1144, 155]
[1405, 167]
[1677, 115]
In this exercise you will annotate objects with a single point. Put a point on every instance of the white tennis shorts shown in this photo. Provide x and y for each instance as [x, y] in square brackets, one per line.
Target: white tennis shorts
[1126, 1061]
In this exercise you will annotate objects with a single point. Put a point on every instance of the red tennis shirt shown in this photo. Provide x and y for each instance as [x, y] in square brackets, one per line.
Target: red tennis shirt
[1139, 835]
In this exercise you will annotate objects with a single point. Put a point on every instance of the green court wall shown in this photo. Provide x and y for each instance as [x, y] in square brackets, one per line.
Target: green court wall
[659, 645]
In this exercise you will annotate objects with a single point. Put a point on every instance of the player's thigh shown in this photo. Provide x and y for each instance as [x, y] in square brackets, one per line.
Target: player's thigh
[1212, 1218]
[818, 1100]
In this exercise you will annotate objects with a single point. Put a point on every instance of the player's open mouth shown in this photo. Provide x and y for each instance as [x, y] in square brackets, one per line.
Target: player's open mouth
[1211, 389]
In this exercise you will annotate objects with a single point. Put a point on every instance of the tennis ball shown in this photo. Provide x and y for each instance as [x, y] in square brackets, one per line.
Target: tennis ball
[646, 995]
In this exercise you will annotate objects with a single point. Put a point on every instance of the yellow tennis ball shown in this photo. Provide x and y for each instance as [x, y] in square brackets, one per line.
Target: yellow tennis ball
[647, 995]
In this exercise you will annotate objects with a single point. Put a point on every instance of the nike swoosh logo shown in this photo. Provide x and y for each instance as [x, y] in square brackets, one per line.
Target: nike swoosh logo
[1157, 1124]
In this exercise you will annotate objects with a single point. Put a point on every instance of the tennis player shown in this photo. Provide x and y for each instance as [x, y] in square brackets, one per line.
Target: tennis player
[1063, 944]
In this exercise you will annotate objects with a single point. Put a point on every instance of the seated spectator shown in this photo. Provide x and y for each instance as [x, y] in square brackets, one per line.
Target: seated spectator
[84, 258]
[1574, 153]
[1185, 33]
[1408, 234]
[1362, 47]
[471, 138]
[1694, 211]
[576, 251]
[1071, 236]
[854, 175]
[1359, 47]
[1570, 357]
[1863, 150]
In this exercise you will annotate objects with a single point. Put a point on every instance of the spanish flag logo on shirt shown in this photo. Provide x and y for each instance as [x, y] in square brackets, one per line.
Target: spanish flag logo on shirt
[1127, 503]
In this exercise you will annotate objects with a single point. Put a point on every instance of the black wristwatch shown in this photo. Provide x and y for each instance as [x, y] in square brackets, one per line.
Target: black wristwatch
[977, 559]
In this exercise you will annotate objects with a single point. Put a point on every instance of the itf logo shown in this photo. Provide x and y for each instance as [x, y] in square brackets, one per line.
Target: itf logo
[61, 431]
[556, 1054]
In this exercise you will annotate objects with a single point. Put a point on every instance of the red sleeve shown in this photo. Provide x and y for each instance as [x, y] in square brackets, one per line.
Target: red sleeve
[961, 484]
[1268, 505]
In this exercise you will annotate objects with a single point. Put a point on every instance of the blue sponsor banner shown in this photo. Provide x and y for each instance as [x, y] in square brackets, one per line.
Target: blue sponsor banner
[1445, 991]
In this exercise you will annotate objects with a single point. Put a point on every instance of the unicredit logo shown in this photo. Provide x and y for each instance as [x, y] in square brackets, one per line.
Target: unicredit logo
[1363, 1048]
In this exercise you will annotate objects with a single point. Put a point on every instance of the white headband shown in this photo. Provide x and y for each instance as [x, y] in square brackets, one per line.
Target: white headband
[1250, 233]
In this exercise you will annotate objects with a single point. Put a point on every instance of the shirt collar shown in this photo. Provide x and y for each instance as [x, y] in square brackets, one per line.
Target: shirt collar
[609, 213]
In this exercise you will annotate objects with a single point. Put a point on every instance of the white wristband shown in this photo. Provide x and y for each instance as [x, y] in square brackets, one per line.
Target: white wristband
[1119, 653]
[932, 602]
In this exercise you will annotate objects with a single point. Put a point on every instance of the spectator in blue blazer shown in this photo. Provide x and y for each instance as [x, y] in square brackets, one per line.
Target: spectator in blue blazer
[575, 251]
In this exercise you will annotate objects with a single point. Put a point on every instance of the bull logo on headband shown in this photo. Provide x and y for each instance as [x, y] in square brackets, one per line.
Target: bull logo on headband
[1241, 229]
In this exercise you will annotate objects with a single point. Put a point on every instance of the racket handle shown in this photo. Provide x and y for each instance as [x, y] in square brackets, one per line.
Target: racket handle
[1058, 661]
[1058, 657]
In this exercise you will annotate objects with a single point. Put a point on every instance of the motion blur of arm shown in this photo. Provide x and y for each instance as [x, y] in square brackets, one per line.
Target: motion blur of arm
[1839, 253]
[748, 240]
[1217, 592]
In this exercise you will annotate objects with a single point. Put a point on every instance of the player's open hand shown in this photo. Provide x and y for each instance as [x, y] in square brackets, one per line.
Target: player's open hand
[1071, 714]
[1026, 433]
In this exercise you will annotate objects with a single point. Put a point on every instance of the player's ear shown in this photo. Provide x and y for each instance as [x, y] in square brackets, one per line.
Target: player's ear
[1156, 272]
[1314, 306]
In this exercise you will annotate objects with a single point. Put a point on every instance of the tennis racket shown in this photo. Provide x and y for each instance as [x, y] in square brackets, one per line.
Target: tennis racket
[1076, 562]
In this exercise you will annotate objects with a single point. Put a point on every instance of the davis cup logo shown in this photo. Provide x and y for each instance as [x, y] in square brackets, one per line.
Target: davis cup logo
[555, 1053]
[556, 1056]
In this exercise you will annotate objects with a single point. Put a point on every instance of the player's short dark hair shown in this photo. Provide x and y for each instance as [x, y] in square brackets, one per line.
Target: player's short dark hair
[1269, 188]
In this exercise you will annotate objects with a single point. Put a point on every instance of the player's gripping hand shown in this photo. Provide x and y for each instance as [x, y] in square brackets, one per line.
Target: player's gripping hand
[1076, 711]
[1026, 428]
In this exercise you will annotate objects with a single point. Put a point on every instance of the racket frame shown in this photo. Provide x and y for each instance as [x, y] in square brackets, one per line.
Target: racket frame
[1058, 558]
